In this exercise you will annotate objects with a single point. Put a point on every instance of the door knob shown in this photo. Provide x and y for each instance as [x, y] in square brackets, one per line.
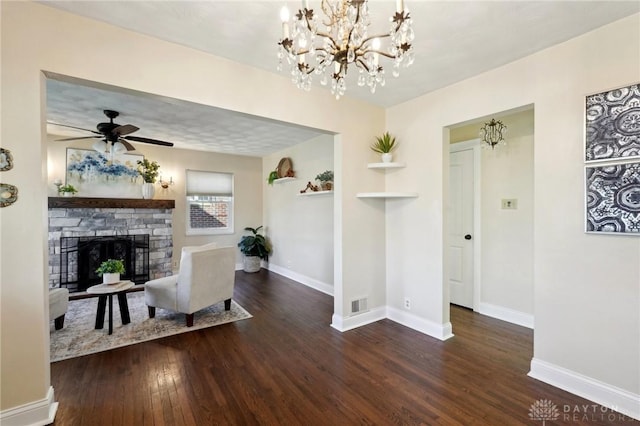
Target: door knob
[467, 237]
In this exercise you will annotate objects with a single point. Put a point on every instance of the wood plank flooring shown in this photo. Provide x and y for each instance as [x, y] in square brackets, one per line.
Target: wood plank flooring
[287, 366]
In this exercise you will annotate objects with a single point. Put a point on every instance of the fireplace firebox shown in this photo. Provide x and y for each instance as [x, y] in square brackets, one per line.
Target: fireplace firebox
[81, 256]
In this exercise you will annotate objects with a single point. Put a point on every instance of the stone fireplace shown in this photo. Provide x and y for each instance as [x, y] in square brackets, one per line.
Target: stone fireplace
[84, 230]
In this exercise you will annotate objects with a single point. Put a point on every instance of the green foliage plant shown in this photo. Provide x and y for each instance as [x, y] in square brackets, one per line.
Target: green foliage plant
[272, 176]
[255, 244]
[111, 266]
[384, 144]
[326, 176]
[148, 170]
[68, 188]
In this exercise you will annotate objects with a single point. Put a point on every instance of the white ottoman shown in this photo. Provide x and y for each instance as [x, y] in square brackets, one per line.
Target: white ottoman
[58, 304]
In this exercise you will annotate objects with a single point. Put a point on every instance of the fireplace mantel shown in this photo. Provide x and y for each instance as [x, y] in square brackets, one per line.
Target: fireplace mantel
[109, 203]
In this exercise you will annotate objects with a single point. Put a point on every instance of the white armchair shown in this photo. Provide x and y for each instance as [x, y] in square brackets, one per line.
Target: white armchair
[206, 277]
[58, 304]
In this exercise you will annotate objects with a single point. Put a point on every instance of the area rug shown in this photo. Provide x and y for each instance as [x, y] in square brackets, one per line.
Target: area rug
[79, 337]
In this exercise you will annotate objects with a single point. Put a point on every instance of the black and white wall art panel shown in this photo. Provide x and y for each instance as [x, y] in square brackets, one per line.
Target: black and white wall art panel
[613, 198]
[612, 124]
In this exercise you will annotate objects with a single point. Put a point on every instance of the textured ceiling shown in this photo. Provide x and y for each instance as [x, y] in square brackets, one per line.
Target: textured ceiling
[454, 40]
[187, 125]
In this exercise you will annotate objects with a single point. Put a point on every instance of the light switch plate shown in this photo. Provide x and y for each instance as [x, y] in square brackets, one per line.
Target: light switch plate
[509, 203]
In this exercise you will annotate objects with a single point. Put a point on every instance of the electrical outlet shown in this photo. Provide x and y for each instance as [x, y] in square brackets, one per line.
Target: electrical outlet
[407, 303]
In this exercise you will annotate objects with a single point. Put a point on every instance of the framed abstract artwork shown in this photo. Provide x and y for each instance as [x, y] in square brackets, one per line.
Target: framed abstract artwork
[612, 125]
[95, 174]
[613, 198]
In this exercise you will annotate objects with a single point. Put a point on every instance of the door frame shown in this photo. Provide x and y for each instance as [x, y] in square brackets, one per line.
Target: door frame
[475, 146]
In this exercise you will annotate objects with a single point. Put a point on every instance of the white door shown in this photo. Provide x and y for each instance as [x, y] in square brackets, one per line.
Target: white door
[461, 228]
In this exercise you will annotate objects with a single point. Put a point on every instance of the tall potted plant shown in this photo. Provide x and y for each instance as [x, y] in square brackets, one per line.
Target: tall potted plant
[254, 247]
[149, 171]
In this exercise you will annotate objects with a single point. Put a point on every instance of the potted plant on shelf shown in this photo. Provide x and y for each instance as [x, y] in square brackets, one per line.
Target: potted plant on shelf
[110, 271]
[67, 190]
[384, 145]
[149, 171]
[272, 176]
[326, 180]
[254, 247]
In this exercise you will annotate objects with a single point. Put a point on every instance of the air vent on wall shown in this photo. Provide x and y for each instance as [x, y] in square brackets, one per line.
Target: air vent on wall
[359, 306]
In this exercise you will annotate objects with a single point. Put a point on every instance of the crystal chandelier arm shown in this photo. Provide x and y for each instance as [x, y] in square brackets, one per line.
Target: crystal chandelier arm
[328, 36]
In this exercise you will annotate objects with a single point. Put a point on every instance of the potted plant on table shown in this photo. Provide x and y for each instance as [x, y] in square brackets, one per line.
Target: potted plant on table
[149, 171]
[110, 271]
[67, 190]
[326, 180]
[384, 145]
[254, 247]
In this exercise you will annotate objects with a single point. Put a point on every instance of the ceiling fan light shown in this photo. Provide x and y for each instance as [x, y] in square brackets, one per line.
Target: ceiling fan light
[119, 148]
[100, 146]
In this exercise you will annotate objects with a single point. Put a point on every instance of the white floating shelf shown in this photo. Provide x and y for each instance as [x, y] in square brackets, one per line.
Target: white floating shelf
[386, 165]
[312, 193]
[387, 195]
[284, 179]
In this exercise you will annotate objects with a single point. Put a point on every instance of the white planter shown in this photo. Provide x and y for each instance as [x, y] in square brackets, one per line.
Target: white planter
[387, 157]
[148, 190]
[251, 263]
[110, 278]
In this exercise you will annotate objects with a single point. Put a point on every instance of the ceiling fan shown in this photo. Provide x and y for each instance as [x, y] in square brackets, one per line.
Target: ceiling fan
[113, 133]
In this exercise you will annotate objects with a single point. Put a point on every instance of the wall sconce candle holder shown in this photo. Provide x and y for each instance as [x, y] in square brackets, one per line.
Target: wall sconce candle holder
[493, 133]
[165, 184]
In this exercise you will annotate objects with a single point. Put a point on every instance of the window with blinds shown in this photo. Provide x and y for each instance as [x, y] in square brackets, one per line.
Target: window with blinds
[209, 203]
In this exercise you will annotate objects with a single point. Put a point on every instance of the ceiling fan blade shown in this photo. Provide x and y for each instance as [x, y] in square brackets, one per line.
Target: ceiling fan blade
[147, 140]
[127, 144]
[77, 138]
[125, 129]
[73, 127]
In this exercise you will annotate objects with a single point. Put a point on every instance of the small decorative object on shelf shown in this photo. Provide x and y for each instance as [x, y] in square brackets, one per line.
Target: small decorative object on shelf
[384, 145]
[110, 271]
[310, 187]
[326, 180]
[67, 190]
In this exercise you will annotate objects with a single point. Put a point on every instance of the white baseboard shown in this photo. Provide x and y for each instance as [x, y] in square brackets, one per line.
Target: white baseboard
[430, 328]
[614, 398]
[506, 314]
[302, 279]
[341, 323]
[36, 413]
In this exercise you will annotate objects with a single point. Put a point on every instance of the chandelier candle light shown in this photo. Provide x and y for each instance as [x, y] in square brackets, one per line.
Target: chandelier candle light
[328, 48]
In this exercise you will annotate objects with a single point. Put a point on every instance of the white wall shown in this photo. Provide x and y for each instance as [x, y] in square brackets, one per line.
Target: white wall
[38, 38]
[301, 227]
[587, 287]
[247, 176]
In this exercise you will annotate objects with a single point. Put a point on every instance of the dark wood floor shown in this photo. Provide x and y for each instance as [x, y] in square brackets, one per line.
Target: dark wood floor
[287, 366]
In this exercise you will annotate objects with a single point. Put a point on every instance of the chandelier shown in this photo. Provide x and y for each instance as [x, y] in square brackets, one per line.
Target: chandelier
[493, 133]
[327, 46]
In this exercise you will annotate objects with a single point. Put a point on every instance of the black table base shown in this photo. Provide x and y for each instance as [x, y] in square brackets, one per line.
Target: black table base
[102, 304]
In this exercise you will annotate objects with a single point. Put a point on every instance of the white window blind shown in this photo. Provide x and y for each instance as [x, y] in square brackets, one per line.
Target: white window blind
[209, 183]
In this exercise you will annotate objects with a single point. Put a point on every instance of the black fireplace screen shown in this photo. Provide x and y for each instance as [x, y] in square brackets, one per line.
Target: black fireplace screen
[81, 256]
